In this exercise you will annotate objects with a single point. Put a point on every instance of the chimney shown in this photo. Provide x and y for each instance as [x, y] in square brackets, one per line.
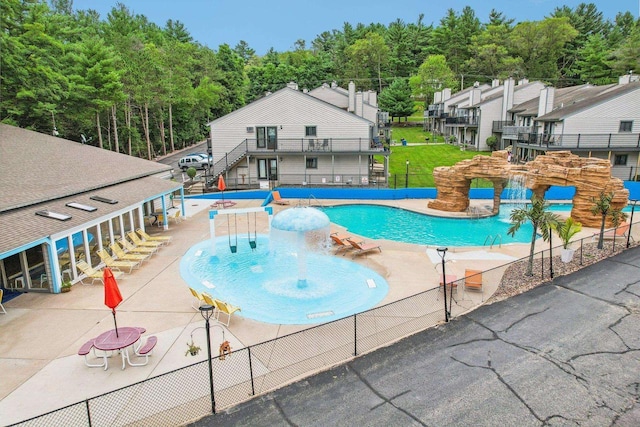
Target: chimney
[475, 95]
[437, 97]
[373, 98]
[334, 84]
[507, 97]
[352, 97]
[523, 82]
[495, 83]
[292, 85]
[446, 94]
[545, 103]
[359, 108]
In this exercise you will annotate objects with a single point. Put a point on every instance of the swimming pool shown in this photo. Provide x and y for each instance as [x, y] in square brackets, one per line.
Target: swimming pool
[264, 282]
[384, 222]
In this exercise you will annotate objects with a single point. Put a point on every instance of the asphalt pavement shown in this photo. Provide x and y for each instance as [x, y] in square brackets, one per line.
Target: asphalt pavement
[566, 353]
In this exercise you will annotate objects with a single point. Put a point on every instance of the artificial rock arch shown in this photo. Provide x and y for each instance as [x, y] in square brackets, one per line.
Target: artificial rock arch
[590, 177]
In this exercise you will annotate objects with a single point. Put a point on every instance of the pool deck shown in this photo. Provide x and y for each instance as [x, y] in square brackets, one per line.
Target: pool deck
[41, 333]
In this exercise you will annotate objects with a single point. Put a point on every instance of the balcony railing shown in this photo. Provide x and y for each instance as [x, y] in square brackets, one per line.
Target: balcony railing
[499, 126]
[316, 145]
[512, 132]
[581, 141]
[463, 120]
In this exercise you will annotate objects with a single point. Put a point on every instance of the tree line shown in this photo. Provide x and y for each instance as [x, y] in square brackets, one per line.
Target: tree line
[126, 84]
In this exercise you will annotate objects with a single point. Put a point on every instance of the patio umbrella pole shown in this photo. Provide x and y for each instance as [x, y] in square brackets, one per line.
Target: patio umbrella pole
[115, 322]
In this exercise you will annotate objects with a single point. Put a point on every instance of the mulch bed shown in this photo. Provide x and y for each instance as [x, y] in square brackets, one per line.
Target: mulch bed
[515, 281]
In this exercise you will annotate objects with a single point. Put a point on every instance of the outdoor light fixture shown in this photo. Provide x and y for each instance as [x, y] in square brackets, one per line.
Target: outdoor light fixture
[406, 181]
[206, 310]
[82, 207]
[443, 252]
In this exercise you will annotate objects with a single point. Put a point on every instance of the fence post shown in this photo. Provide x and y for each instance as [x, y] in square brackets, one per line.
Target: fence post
[86, 404]
[253, 390]
[355, 334]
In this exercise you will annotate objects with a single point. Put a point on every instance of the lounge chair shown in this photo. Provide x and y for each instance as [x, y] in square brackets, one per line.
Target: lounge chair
[116, 264]
[621, 232]
[277, 199]
[362, 247]
[225, 308]
[130, 247]
[146, 236]
[136, 241]
[208, 299]
[473, 280]
[92, 273]
[198, 296]
[124, 256]
[2, 306]
[341, 242]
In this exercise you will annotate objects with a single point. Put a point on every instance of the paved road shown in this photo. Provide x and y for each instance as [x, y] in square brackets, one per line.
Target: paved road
[172, 159]
[566, 353]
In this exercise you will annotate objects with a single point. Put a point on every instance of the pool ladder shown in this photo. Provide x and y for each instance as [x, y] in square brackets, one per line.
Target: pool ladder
[316, 201]
[493, 239]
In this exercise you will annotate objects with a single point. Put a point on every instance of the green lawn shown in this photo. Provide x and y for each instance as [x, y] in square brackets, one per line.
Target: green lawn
[422, 160]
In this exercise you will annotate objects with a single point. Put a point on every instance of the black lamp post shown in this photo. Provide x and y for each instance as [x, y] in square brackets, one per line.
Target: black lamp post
[406, 182]
[443, 252]
[206, 311]
[550, 254]
[633, 208]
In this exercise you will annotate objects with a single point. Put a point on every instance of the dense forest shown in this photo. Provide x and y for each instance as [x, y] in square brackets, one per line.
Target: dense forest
[123, 83]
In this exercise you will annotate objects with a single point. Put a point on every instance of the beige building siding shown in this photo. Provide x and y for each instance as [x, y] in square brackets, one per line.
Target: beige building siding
[605, 117]
[331, 96]
[290, 112]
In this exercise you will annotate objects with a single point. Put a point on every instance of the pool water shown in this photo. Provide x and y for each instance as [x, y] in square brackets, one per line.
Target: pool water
[264, 282]
[384, 222]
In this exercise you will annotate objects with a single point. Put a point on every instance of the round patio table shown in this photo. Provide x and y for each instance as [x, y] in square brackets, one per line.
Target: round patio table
[126, 337]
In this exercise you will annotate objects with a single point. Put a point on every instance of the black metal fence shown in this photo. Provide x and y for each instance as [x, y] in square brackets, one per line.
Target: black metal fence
[183, 395]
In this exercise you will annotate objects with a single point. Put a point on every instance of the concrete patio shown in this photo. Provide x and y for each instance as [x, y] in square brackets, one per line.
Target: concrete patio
[41, 333]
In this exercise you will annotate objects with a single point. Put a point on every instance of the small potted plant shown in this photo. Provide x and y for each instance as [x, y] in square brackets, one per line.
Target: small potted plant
[566, 230]
[66, 286]
[192, 349]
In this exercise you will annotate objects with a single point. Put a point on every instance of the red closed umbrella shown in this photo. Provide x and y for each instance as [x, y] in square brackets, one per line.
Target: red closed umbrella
[112, 296]
[221, 185]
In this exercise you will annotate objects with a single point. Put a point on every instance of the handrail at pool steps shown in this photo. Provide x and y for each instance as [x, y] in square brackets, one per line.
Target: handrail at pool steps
[164, 390]
[492, 239]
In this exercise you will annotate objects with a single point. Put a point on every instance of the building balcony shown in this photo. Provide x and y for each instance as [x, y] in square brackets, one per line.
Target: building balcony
[461, 121]
[316, 145]
[512, 132]
[499, 125]
[580, 141]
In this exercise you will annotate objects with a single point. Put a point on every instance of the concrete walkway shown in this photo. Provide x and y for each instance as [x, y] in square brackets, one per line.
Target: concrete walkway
[565, 353]
[41, 333]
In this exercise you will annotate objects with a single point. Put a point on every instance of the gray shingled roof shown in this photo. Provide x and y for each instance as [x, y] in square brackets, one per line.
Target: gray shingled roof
[581, 104]
[42, 172]
[35, 167]
[563, 96]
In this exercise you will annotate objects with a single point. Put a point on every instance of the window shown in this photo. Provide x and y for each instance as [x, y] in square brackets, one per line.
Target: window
[626, 126]
[312, 163]
[620, 160]
[310, 131]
